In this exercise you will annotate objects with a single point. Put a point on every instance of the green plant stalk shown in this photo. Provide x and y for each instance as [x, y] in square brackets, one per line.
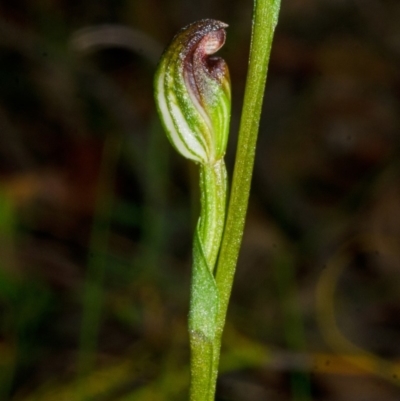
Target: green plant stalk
[265, 17]
[204, 299]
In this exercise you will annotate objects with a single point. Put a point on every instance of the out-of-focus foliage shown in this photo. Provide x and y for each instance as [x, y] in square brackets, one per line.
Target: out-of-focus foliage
[96, 213]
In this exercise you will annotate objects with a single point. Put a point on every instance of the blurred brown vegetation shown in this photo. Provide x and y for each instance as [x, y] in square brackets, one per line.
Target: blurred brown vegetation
[97, 211]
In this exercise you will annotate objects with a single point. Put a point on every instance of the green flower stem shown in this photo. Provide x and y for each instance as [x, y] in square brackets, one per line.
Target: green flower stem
[204, 295]
[264, 22]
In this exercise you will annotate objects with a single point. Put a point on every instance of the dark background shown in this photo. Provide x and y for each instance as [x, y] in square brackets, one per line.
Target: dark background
[97, 211]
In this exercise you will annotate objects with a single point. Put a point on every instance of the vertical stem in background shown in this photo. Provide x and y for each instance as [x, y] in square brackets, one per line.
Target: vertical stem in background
[93, 286]
[8, 266]
[265, 18]
[154, 215]
[292, 319]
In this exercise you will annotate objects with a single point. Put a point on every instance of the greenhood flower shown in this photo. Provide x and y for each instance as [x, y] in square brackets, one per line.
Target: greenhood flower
[193, 95]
